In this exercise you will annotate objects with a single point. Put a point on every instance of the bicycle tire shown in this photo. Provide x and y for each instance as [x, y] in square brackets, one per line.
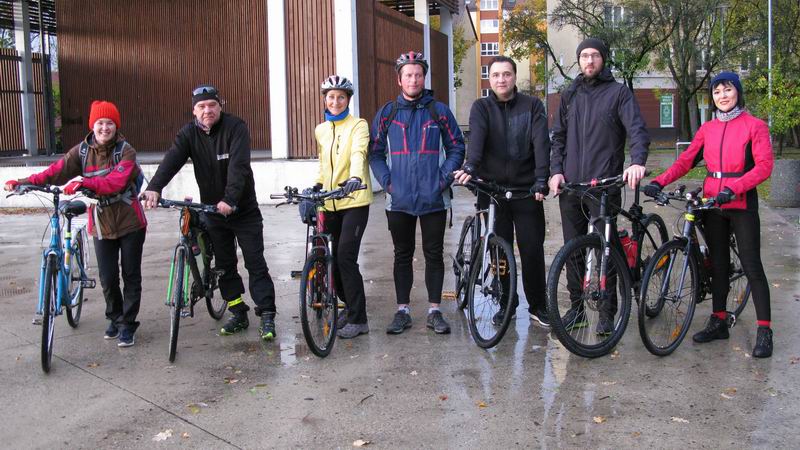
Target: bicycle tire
[739, 291]
[586, 308]
[76, 275]
[483, 309]
[676, 308]
[216, 304]
[318, 305]
[50, 296]
[462, 260]
[176, 300]
[654, 235]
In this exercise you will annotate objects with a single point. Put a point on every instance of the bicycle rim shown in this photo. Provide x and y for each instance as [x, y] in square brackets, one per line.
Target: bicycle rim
[176, 291]
[49, 311]
[461, 262]
[76, 275]
[670, 289]
[578, 297]
[318, 307]
[739, 291]
[492, 285]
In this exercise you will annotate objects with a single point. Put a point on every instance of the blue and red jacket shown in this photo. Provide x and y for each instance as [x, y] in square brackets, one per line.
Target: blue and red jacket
[417, 174]
[738, 155]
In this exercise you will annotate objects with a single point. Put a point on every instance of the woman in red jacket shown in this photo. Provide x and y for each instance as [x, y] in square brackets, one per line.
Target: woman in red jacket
[738, 153]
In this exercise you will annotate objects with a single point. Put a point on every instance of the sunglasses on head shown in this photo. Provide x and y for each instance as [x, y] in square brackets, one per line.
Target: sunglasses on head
[205, 90]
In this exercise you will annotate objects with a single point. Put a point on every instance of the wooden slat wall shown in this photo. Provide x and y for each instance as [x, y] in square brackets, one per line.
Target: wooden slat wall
[310, 58]
[439, 73]
[383, 34]
[146, 56]
[12, 141]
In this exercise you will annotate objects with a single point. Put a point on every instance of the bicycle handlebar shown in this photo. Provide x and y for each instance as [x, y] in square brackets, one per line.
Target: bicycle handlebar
[291, 195]
[693, 197]
[200, 207]
[492, 188]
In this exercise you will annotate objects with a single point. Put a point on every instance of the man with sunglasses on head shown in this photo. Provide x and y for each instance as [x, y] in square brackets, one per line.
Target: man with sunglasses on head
[594, 117]
[218, 144]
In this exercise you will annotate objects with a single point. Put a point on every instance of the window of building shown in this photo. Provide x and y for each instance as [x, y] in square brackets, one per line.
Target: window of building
[485, 72]
[484, 92]
[490, 26]
[487, 5]
[490, 49]
[614, 15]
[666, 111]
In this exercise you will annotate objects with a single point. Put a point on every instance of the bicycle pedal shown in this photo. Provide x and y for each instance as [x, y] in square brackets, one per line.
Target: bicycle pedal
[89, 283]
[185, 313]
[36, 320]
[296, 274]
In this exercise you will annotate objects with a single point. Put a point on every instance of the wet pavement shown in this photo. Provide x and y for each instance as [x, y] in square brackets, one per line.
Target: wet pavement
[415, 390]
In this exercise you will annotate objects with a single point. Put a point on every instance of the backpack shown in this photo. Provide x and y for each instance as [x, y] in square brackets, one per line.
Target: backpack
[116, 157]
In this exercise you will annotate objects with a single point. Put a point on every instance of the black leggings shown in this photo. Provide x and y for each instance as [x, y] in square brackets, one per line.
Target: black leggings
[347, 228]
[746, 226]
[122, 305]
[403, 228]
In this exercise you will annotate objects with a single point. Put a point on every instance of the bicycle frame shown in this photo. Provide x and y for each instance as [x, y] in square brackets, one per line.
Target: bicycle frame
[185, 244]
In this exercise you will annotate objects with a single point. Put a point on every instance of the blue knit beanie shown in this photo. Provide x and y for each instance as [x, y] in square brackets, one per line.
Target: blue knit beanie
[728, 77]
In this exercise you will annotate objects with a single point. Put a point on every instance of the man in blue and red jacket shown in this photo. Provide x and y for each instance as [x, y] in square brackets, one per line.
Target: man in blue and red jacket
[416, 177]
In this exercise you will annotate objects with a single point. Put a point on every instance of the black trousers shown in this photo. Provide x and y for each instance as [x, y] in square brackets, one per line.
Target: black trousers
[347, 228]
[746, 225]
[247, 229]
[403, 228]
[526, 216]
[575, 213]
[122, 305]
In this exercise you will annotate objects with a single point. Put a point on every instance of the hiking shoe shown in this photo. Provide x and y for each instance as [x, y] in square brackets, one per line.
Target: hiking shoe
[574, 318]
[498, 317]
[341, 319]
[437, 323]
[716, 328]
[539, 317]
[235, 323]
[352, 330]
[401, 321]
[763, 348]
[111, 332]
[267, 328]
[605, 324]
[125, 338]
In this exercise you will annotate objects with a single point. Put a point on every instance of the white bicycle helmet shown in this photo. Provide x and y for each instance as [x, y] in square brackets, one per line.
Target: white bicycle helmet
[411, 57]
[336, 82]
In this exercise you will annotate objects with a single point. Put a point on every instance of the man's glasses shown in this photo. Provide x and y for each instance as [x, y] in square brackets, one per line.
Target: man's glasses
[205, 90]
[588, 56]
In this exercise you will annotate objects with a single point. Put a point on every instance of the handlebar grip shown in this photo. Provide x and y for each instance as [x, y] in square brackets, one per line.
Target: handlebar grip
[276, 196]
[696, 192]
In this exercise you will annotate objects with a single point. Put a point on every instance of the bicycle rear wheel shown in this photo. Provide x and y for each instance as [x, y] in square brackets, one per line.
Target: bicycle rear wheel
[588, 310]
[739, 291]
[77, 272]
[175, 295]
[653, 237]
[462, 260]
[50, 294]
[318, 305]
[670, 288]
[216, 304]
[492, 285]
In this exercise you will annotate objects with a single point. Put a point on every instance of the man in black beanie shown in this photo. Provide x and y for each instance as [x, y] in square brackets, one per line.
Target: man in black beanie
[595, 115]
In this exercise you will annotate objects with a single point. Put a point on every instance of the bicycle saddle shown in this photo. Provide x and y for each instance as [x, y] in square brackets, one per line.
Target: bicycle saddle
[72, 208]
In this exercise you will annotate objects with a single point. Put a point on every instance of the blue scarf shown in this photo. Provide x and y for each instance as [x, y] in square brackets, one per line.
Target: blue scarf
[340, 116]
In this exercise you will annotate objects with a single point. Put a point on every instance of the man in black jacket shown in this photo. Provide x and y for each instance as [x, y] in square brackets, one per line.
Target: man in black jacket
[509, 144]
[595, 115]
[219, 146]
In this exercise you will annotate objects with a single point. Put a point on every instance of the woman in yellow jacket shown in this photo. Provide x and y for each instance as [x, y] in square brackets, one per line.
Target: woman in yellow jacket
[342, 141]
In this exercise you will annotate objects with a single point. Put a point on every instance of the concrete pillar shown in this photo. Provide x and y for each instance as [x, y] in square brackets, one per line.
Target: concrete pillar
[22, 39]
[278, 103]
[346, 39]
[447, 28]
[421, 16]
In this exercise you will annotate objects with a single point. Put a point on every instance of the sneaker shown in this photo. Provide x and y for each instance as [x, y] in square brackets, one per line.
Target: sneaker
[352, 330]
[437, 323]
[235, 323]
[540, 317]
[497, 319]
[763, 348]
[716, 328]
[267, 329]
[401, 321]
[574, 318]
[605, 324]
[111, 332]
[125, 339]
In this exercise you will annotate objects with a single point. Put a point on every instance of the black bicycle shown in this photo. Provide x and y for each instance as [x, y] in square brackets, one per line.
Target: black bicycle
[193, 255]
[679, 276]
[318, 300]
[593, 277]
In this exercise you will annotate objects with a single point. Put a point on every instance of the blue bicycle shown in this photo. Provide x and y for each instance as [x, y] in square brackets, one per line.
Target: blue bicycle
[63, 272]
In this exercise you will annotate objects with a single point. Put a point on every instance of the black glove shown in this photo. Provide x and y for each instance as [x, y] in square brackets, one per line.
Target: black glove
[540, 187]
[350, 185]
[469, 169]
[317, 187]
[725, 196]
[652, 189]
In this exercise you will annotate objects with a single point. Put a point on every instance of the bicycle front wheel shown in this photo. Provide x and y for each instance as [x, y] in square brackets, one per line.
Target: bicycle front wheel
[739, 291]
[670, 288]
[175, 297]
[50, 293]
[77, 271]
[318, 305]
[462, 260]
[492, 287]
[588, 309]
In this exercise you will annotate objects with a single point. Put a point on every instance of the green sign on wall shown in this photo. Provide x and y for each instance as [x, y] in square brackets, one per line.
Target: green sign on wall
[666, 111]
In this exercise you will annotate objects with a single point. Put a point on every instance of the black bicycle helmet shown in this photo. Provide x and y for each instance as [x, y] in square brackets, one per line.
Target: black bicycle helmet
[336, 82]
[412, 57]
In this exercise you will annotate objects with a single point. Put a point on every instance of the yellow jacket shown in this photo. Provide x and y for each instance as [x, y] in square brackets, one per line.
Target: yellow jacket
[342, 147]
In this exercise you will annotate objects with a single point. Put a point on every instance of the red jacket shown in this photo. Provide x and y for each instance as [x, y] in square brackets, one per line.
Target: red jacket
[740, 148]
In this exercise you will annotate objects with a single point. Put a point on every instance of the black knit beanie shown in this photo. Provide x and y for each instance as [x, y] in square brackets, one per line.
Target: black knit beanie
[594, 43]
